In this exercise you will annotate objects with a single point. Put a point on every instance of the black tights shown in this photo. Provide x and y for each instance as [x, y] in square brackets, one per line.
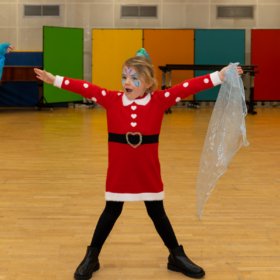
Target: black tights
[156, 212]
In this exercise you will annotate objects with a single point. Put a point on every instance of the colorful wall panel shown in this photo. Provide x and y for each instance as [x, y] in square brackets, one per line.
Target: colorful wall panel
[110, 49]
[265, 52]
[63, 50]
[217, 47]
[170, 47]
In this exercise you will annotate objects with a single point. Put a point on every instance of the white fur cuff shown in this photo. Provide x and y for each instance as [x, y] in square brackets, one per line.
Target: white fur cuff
[215, 78]
[58, 81]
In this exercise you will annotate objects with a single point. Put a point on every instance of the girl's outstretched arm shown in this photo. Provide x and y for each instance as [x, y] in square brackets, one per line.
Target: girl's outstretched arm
[44, 76]
[171, 96]
[99, 95]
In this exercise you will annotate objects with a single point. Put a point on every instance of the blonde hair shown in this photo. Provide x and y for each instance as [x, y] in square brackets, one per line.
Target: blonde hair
[145, 69]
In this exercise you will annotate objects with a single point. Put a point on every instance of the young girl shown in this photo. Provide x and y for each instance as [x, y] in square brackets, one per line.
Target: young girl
[134, 121]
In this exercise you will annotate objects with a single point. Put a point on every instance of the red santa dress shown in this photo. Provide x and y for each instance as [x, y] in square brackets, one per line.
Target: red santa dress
[134, 127]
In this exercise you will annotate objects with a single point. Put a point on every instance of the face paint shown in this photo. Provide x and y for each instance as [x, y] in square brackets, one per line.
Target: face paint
[123, 78]
[131, 84]
[128, 70]
[134, 78]
[136, 83]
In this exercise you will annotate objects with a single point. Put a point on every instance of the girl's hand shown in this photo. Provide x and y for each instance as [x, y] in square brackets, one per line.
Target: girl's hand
[44, 76]
[11, 48]
[222, 72]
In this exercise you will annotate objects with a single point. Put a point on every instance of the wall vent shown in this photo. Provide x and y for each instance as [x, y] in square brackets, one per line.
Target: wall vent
[148, 11]
[41, 10]
[134, 11]
[129, 11]
[236, 12]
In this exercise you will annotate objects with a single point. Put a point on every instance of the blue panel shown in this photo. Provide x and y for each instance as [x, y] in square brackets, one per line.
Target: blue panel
[24, 58]
[217, 47]
[19, 94]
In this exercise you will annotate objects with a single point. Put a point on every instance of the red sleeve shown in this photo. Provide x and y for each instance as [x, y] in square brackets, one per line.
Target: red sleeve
[171, 96]
[99, 95]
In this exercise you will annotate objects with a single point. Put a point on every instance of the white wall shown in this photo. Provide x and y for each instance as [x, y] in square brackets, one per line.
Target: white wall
[26, 33]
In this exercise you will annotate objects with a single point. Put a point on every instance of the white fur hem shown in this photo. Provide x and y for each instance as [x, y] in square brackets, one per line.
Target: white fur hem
[134, 196]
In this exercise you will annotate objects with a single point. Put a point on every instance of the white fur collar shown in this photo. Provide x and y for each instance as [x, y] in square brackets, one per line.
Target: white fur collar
[143, 101]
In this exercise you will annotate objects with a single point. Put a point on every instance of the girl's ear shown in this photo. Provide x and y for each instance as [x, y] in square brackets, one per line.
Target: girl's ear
[149, 86]
[151, 83]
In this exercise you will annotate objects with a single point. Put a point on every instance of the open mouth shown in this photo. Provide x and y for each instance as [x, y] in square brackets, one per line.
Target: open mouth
[128, 90]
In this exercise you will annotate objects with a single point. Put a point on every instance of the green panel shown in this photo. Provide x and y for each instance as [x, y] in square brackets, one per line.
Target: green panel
[217, 47]
[63, 55]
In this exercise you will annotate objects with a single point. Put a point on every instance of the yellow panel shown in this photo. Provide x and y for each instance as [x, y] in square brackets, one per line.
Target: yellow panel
[171, 47]
[110, 49]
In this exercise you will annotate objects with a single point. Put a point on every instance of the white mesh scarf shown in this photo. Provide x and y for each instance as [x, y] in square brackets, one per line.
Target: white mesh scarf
[226, 134]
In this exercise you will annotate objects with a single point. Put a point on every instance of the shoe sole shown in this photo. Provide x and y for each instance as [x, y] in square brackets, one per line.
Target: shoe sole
[79, 277]
[178, 269]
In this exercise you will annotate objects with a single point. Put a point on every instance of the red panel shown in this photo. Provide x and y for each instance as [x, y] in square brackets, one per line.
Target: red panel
[265, 52]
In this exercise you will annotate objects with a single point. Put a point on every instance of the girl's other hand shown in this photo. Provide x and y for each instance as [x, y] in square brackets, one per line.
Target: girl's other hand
[44, 76]
[11, 48]
[222, 72]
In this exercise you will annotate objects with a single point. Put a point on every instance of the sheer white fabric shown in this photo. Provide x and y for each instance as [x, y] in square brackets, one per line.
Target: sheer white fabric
[226, 134]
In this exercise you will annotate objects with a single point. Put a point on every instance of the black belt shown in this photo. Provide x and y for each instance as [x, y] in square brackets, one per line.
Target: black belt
[135, 138]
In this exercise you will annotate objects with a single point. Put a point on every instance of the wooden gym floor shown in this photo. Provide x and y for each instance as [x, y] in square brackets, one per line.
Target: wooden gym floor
[52, 178]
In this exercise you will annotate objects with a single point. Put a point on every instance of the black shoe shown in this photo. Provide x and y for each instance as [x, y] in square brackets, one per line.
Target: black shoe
[89, 264]
[178, 261]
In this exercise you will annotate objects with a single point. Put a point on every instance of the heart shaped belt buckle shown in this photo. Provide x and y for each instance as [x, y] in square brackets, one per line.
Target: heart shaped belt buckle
[136, 133]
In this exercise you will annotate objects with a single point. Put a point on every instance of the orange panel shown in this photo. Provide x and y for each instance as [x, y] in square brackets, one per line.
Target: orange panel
[167, 46]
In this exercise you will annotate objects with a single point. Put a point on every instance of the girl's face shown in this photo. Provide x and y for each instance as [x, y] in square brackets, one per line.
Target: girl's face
[131, 84]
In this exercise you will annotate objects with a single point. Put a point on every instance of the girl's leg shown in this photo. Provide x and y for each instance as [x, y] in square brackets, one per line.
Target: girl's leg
[104, 226]
[177, 260]
[106, 222]
[162, 224]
